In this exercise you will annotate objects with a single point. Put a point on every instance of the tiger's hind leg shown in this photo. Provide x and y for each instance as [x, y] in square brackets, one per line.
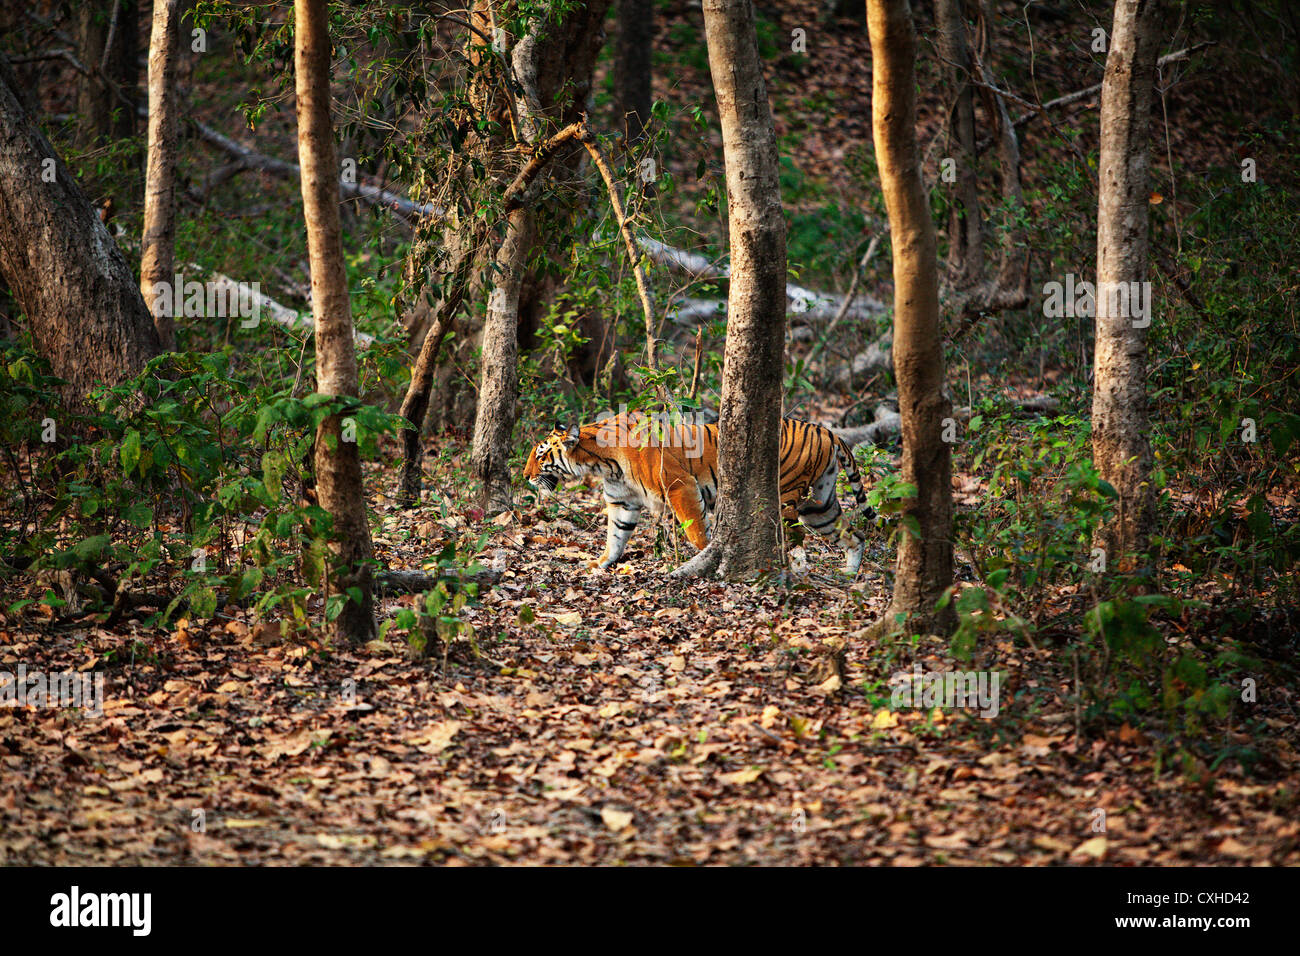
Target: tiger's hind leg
[821, 513]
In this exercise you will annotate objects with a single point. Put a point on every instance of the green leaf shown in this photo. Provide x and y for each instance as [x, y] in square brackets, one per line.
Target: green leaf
[273, 467]
[139, 514]
[130, 451]
[91, 547]
[203, 603]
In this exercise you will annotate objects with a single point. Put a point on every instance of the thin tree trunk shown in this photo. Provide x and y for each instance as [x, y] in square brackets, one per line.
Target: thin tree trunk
[973, 294]
[747, 537]
[158, 244]
[1013, 265]
[552, 63]
[925, 546]
[65, 271]
[498, 360]
[499, 385]
[105, 33]
[965, 227]
[634, 64]
[1120, 447]
[339, 486]
[415, 406]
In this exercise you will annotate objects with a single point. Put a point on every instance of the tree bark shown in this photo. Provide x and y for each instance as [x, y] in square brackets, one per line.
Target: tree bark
[339, 486]
[499, 383]
[634, 65]
[925, 548]
[158, 242]
[105, 33]
[415, 406]
[1120, 447]
[65, 271]
[965, 226]
[747, 535]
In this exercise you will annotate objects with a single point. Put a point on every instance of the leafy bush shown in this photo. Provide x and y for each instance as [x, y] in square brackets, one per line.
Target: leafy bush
[195, 468]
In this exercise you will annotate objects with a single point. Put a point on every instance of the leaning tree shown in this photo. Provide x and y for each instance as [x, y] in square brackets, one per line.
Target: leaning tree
[69, 278]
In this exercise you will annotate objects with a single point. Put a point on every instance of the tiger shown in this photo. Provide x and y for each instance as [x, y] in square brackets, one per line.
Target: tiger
[660, 468]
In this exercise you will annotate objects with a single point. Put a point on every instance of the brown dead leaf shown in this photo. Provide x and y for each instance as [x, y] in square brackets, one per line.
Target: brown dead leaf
[436, 737]
[748, 775]
[1094, 848]
[616, 820]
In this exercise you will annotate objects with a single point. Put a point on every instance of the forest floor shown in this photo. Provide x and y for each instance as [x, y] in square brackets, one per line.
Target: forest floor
[621, 717]
[601, 718]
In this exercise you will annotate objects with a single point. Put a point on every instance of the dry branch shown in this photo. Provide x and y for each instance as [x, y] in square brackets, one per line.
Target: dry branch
[887, 422]
[1035, 110]
[807, 304]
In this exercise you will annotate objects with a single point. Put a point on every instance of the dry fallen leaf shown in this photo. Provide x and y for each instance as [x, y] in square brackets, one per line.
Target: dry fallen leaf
[616, 820]
[951, 841]
[436, 737]
[884, 720]
[748, 775]
[1095, 848]
[831, 684]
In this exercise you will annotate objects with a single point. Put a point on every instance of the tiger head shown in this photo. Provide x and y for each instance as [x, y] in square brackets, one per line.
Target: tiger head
[553, 460]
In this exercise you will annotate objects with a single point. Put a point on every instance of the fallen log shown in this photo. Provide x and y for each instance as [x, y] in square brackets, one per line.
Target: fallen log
[808, 304]
[876, 357]
[887, 423]
[411, 582]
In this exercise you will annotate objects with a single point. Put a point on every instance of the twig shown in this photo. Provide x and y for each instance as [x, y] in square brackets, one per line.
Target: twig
[699, 354]
[588, 139]
[112, 35]
[1078, 95]
[848, 298]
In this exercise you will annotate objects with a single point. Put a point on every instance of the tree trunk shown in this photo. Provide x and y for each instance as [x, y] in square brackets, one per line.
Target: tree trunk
[925, 546]
[65, 271]
[158, 244]
[634, 64]
[1013, 267]
[747, 535]
[499, 384]
[415, 406]
[338, 465]
[965, 228]
[106, 98]
[552, 63]
[1120, 448]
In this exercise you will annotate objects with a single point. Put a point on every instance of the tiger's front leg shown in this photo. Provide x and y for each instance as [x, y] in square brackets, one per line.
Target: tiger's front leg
[622, 519]
[688, 509]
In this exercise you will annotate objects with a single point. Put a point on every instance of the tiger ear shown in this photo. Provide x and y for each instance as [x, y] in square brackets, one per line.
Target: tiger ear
[571, 439]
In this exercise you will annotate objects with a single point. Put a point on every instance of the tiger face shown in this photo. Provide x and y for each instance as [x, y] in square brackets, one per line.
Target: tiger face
[551, 462]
